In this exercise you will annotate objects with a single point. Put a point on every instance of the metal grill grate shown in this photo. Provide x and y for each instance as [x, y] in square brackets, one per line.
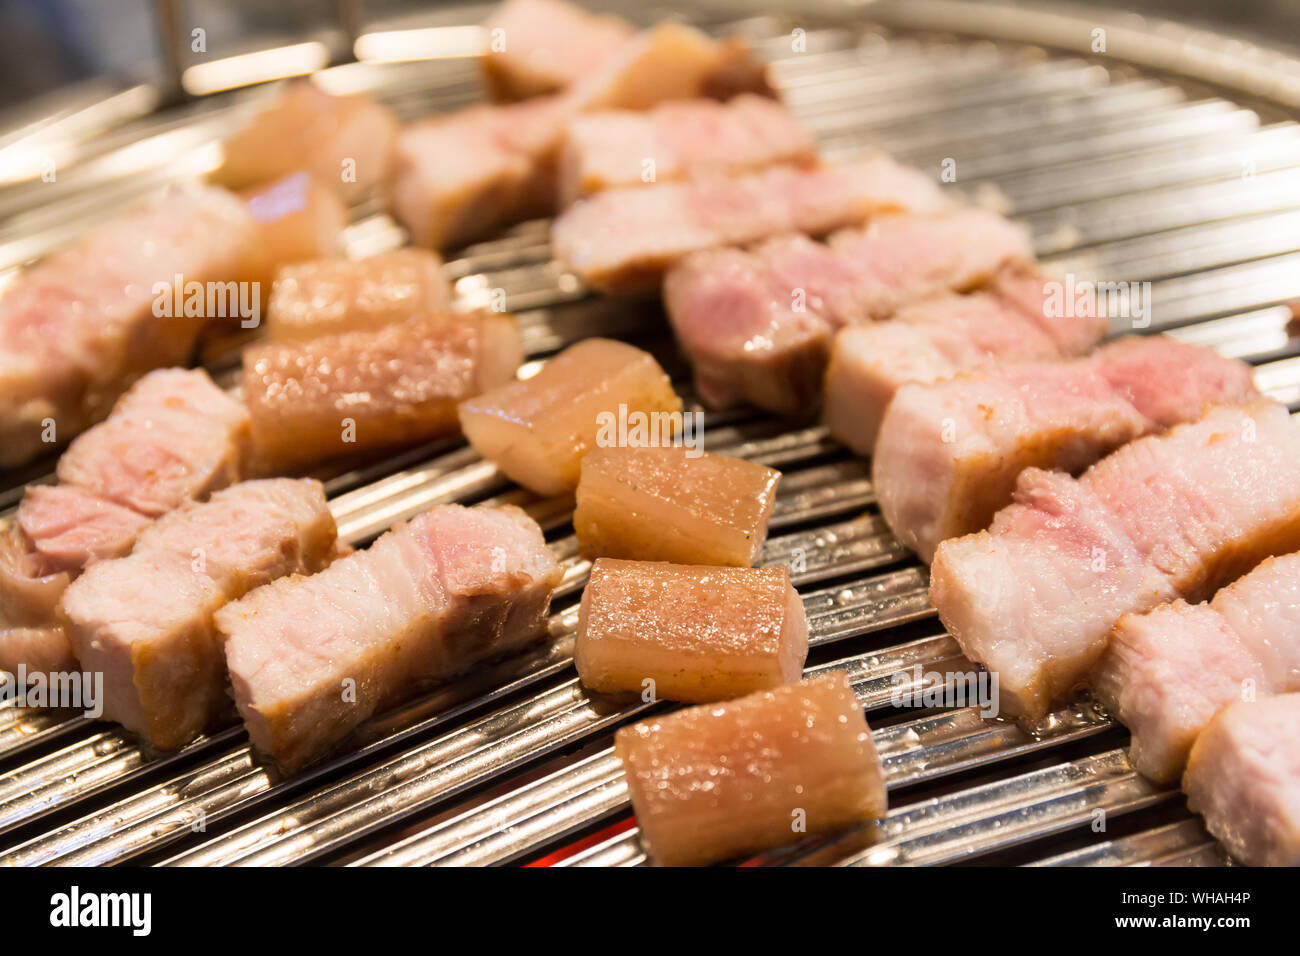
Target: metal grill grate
[1122, 175]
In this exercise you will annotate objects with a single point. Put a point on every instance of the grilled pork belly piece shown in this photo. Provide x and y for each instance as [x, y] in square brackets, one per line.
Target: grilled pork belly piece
[173, 437]
[928, 341]
[145, 621]
[1179, 514]
[689, 632]
[1244, 777]
[79, 327]
[312, 299]
[673, 504]
[462, 176]
[676, 140]
[395, 385]
[1166, 673]
[757, 324]
[537, 430]
[30, 634]
[627, 238]
[543, 46]
[345, 142]
[948, 453]
[311, 658]
[716, 780]
[300, 218]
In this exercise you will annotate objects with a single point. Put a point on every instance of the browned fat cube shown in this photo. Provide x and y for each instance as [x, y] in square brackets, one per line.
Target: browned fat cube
[592, 393]
[673, 504]
[718, 780]
[341, 394]
[341, 295]
[699, 633]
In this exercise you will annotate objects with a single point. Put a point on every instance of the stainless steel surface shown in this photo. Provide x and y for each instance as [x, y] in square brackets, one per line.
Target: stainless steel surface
[1123, 172]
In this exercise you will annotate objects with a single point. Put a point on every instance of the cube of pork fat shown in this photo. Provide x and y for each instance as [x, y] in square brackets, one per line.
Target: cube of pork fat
[673, 504]
[1166, 673]
[312, 299]
[757, 324]
[395, 385]
[717, 780]
[300, 219]
[543, 46]
[948, 453]
[145, 621]
[627, 238]
[1035, 597]
[689, 632]
[311, 658]
[679, 140]
[926, 342]
[1244, 777]
[537, 430]
[79, 327]
[345, 142]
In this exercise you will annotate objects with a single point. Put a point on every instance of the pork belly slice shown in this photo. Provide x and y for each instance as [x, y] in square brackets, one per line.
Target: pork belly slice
[1179, 514]
[543, 46]
[757, 324]
[300, 219]
[688, 632]
[79, 327]
[395, 385]
[328, 297]
[627, 238]
[29, 593]
[145, 621]
[717, 780]
[1244, 778]
[679, 140]
[311, 658]
[345, 142]
[173, 437]
[673, 504]
[948, 453]
[1167, 672]
[592, 394]
[928, 341]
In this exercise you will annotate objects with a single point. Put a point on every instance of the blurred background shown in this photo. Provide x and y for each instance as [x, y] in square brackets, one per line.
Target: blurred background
[48, 46]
